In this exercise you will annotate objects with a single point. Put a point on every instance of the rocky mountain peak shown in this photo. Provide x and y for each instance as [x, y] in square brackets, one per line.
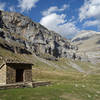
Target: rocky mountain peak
[88, 43]
[20, 34]
[83, 35]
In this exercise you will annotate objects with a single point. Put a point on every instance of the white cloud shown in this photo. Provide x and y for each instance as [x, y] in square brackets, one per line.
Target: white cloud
[90, 9]
[12, 8]
[59, 24]
[2, 6]
[54, 9]
[27, 5]
[92, 23]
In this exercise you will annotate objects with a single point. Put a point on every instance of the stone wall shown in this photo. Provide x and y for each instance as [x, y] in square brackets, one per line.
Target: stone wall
[8, 73]
[11, 75]
[11, 86]
[27, 75]
[11, 72]
[24, 85]
[3, 74]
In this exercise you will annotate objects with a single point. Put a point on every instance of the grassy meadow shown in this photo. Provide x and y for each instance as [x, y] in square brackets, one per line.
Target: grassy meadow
[68, 83]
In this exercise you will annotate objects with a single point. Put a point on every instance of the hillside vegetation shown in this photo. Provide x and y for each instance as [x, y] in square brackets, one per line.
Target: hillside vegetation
[71, 80]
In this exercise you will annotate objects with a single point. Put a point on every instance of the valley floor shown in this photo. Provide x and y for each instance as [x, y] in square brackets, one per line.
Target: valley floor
[71, 80]
[66, 86]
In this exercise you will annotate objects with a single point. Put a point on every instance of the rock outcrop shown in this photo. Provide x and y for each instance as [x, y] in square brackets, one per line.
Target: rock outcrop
[88, 43]
[20, 34]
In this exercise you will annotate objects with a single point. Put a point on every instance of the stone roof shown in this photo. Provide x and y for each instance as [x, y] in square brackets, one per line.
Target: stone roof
[13, 61]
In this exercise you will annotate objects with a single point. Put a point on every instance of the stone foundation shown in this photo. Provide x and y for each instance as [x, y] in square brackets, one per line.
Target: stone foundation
[24, 85]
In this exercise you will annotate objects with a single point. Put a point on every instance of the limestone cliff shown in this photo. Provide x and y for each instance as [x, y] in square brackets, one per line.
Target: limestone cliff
[88, 43]
[20, 34]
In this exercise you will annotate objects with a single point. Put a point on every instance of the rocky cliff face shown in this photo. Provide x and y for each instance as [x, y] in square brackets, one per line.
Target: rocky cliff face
[88, 43]
[20, 34]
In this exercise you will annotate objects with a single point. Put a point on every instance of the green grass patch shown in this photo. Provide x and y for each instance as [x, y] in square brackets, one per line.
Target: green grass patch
[67, 83]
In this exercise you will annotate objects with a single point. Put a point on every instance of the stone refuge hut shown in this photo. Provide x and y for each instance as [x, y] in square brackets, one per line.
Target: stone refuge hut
[13, 72]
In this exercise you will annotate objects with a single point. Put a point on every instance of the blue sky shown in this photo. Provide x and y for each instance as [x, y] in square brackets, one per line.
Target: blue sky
[66, 17]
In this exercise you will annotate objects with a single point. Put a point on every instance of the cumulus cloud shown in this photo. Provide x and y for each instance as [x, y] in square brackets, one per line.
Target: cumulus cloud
[90, 9]
[2, 6]
[58, 22]
[92, 23]
[54, 9]
[12, 8]
[27, 5]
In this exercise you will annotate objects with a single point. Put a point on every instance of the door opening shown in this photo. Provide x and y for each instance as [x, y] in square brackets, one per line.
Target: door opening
[19, 75]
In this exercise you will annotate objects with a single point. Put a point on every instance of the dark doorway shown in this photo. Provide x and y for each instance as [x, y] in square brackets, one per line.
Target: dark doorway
[19, 75]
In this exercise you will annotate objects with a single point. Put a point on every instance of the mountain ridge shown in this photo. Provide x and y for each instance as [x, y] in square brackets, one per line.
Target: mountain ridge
[84, 34]
[20, 34]
[88, 43]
